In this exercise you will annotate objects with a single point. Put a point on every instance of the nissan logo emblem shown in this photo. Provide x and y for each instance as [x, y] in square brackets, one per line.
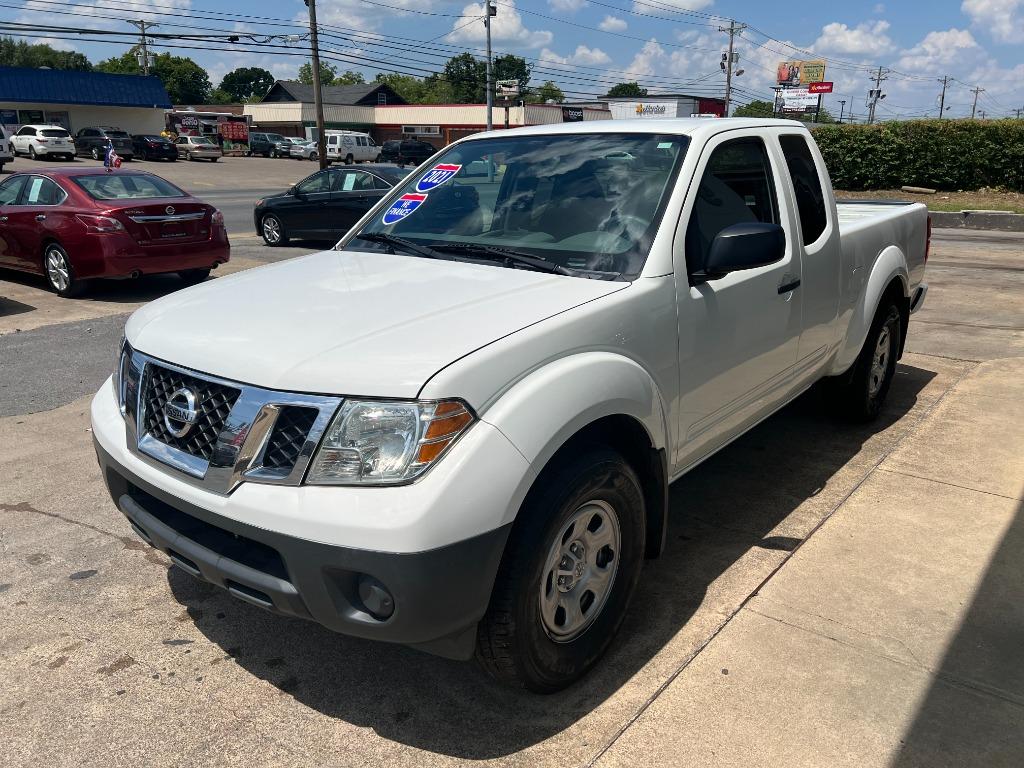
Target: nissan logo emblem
[180, 412]
[170, 210]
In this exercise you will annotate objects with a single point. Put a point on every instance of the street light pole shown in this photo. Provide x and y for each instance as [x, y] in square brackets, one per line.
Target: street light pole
[842, 106]
[318, 96]
[733, 29]
[490, 10]
[141, 24]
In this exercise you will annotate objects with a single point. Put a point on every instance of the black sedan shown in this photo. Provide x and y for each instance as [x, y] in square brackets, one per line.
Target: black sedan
[324, 206]
[153, 147]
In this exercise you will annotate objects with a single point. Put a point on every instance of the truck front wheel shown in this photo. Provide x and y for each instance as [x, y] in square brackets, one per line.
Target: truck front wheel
[860, 395]
[569, 570]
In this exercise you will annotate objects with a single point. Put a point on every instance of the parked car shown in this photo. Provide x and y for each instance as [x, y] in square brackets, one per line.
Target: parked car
[323, 206]
[72, 225]
[39, 141]
[406, 151]
[509, 373]
[198, 148]
[350, 147]
[6, 153]
[152, 146]
[268, 144]
[94, 142]
[305, 150]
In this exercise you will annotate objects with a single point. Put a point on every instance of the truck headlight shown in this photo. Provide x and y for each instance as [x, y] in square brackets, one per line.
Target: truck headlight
[386, 442]
[124, 356]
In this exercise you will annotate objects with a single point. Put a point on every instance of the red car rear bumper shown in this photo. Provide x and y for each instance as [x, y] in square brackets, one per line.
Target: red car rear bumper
[119, 255]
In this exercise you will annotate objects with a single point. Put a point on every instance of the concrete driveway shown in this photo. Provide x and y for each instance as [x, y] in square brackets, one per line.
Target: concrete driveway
[830, 595]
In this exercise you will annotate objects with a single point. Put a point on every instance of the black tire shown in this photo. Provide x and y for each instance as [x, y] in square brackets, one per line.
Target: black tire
[143, 156]
[60, 275]
[859, 395]
[273, 154]
[94, 153]
[214, 159]
[515, 644]
[376, 159]
[349, 159]
[32, 153]
[189, 157]
[267, 232]
[193, 276]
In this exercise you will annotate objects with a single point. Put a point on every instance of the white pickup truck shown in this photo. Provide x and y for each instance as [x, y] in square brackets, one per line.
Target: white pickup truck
[457, 429]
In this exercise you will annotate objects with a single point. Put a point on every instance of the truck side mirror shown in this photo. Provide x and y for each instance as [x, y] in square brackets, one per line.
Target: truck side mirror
[743, 246]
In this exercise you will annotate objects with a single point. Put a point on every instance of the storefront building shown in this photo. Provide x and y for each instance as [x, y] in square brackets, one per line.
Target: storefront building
[76, 100]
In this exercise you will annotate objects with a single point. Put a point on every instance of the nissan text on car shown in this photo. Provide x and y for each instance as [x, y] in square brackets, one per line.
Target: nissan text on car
[456, 430]
[75, 224]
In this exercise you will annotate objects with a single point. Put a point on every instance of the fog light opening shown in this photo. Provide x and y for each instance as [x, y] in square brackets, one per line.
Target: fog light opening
[376, 599]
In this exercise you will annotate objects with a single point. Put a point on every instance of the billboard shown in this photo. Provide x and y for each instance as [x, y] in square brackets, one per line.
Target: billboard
[801, 72]
[798, 100]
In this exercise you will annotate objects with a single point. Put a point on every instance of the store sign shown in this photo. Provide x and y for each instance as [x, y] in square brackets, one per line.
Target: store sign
[820, 87]
[801, 72]
[572, 114]
[507, 87]
[190, 121]
[651, 110]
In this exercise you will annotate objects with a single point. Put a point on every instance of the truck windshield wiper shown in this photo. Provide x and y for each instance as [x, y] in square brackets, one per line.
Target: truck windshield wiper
[400, 242]
[507, 255]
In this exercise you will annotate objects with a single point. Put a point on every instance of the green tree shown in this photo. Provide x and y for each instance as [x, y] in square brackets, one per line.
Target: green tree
[327, 73]
[348, 77]
[466, 78]
[626, 90]
[509, 67]
[755, 109]
[220, 96]
[410, 88]
[185, 81]
[21, 54]
[246, 83]
[548, 92]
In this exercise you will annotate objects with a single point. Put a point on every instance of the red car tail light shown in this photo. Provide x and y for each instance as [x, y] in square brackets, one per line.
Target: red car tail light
[99, 224]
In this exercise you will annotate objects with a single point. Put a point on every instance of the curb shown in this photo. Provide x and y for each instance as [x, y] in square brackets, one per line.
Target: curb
[998, 220]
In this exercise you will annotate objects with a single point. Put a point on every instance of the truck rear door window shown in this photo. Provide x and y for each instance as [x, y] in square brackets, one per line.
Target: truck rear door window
[737, 187]
[810, 199]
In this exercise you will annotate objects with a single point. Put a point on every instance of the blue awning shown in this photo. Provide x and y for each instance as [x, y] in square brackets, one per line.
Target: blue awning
[63, 86]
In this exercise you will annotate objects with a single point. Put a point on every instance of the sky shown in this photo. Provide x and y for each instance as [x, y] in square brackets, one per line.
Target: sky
[669, 46]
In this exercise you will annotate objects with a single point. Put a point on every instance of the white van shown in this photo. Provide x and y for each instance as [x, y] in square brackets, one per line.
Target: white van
[350, 147]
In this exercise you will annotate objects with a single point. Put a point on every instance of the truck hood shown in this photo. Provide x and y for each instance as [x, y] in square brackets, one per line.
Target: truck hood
[350, 322]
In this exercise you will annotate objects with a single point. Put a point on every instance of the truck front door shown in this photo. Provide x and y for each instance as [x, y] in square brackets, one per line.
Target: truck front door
[738, 334]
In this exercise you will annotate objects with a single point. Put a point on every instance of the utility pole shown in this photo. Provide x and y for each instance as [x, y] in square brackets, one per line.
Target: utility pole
[318, 96]
[492, 10]
[141, 26]
[876, 94]
[942, 98]
[976, 91]
[733, 29]
[1018, 111]
[842, 106]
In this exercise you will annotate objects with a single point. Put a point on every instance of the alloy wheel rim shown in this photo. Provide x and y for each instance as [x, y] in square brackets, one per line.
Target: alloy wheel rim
[579, 572]
[880, 361]
[57, 269]
[272, 229]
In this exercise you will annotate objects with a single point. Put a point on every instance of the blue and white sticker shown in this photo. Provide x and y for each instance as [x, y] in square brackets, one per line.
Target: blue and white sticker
[402, 207]
[436, 176]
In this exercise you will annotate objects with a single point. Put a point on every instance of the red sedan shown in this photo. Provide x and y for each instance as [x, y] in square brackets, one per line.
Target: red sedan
[72, 224]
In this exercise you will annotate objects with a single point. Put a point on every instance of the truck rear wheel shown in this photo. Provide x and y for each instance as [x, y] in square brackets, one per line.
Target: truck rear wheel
[569, 570]
[860, 395]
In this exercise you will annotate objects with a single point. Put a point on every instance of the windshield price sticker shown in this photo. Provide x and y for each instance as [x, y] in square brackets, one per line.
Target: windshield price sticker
[436, 176]
[402, 207]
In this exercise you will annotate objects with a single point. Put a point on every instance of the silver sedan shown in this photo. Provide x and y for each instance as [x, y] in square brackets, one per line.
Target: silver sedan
[304, 150]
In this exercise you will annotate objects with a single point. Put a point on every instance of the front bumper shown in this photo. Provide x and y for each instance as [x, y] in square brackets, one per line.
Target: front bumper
[438, 595]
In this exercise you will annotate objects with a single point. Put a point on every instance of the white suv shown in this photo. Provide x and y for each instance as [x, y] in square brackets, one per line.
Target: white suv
[38, 141]
[351, 147]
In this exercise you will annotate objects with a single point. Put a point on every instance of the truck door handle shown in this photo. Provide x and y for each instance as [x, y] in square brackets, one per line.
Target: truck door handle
[791, 286]
[40, 216]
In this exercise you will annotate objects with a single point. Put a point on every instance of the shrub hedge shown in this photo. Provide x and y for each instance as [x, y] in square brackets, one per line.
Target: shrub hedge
[942, 154]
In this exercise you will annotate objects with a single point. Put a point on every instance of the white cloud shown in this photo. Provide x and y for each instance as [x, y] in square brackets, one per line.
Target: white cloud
[55, 43]
[567, 6]
[867, 39]
[660, 5]
[879, 9]
[1004, 19]
[506, 28]
[612, 24]
[939, 51]
[582, 55]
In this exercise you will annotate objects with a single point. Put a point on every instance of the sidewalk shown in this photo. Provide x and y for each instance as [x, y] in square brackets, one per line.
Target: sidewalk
[895, 635]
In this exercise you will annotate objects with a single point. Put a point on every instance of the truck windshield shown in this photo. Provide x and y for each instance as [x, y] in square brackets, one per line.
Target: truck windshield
[586, 204]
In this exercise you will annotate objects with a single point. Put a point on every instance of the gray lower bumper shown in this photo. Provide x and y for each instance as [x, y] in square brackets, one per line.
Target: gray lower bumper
[439, 595]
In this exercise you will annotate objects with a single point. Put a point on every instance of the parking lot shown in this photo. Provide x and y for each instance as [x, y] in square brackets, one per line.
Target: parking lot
[830, 595]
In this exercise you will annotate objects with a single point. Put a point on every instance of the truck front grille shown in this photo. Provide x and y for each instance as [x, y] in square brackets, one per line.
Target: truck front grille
[213, 404]
[289, 435]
